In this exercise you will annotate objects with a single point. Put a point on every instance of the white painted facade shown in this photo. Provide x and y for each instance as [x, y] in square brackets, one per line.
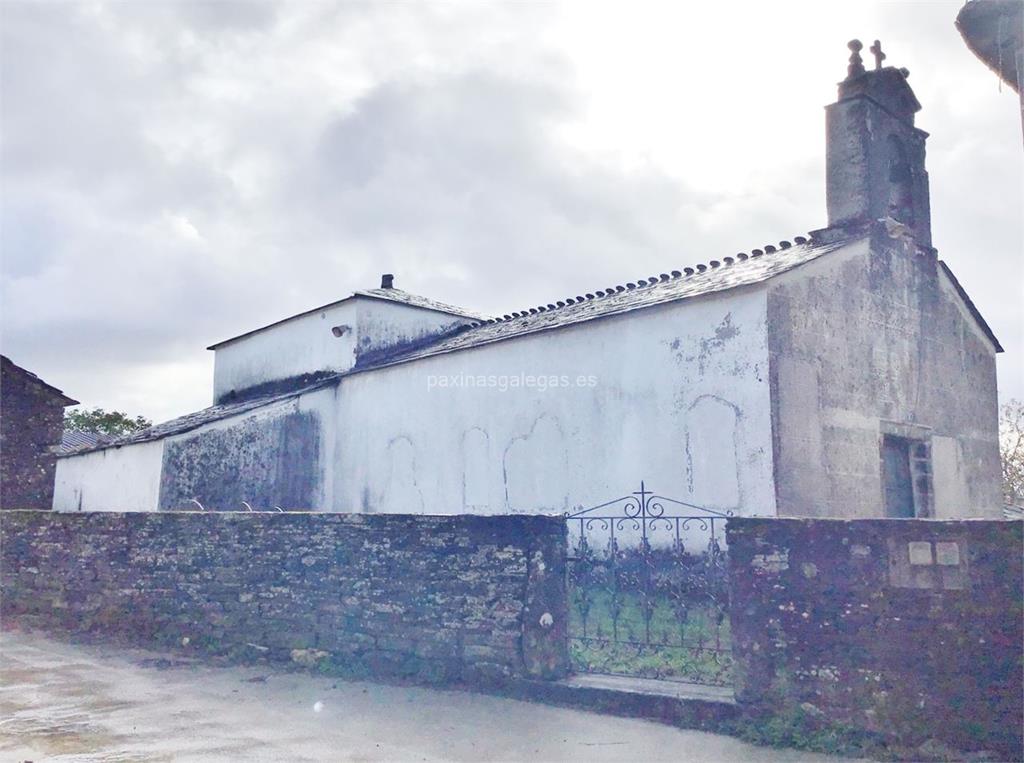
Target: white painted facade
[127, 478]
[381, 324]
[329, 339]
[112, 479]
[302, 345]
[675, 395]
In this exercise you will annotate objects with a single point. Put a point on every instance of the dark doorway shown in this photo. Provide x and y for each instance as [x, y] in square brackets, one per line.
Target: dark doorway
[896, 477]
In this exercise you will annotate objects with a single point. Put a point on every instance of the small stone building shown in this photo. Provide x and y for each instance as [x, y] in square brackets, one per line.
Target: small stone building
[844, 372]
[31, 424]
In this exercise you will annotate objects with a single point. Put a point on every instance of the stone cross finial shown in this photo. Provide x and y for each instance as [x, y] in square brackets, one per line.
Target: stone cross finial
[856, 67]
[876, 51]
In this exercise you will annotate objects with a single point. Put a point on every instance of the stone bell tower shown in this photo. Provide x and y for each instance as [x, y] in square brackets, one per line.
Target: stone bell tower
[874, 155]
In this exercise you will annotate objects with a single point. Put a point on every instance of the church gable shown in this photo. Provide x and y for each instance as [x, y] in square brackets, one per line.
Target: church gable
[872, 352]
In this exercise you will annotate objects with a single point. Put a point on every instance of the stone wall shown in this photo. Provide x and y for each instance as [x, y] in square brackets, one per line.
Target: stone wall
[31, 424]
[457, 598]
[907, 628]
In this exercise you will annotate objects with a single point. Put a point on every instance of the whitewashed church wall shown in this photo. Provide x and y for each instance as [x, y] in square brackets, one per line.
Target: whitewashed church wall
[279, 454]
[299, 346]
[306, 344]
[114, 479]
[382, 324]
[322, 405]
[675, 395]
[268, 457]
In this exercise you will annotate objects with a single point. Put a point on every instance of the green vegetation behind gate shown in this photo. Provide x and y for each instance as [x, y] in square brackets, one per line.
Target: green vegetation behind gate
[688, 642]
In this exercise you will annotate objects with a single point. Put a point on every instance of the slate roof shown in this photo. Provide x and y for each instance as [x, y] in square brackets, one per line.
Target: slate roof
[415, 300]
[718, 275]
[72, 440]
[209, 415]
[389, 295]
[12, 366]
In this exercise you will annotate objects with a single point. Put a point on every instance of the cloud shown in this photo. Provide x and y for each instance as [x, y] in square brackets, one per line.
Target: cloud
[176, 173]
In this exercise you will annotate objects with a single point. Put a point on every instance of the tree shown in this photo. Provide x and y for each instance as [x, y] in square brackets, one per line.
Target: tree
[107, 423]
[1011, 447]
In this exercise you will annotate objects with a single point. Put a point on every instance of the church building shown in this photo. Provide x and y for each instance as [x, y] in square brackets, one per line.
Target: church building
[842, 373]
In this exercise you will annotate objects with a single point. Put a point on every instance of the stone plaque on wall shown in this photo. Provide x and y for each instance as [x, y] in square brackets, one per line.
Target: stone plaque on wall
[924, 563]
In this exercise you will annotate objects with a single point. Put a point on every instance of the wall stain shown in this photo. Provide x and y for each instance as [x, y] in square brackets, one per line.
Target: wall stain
[550, 465]
[266, 462]
[702, 350]
[698, 488]
[475, 460]
[402, 491]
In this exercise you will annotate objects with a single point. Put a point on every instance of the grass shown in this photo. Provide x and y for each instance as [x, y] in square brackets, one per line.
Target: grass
[795, 728]
[688, 643]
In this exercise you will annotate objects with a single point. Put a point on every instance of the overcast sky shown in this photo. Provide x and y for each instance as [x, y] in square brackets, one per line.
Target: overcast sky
[177, 173]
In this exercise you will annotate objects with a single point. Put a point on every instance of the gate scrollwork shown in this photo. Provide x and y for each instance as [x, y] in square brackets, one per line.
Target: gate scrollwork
[648, 588]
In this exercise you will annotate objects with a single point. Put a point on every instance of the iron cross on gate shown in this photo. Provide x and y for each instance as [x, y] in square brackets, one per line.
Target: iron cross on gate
[642, 493]
[644, 508]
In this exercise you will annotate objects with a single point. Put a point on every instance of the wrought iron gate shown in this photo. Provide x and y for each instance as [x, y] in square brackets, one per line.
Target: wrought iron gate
[648, 590]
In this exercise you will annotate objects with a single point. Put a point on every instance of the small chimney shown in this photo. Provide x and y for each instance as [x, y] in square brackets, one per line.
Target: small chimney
[387, 281]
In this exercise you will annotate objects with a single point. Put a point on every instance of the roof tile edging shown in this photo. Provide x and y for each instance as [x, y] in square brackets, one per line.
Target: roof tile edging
[687, 272]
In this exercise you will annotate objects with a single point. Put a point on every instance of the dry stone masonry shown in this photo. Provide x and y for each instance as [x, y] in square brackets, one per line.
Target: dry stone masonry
[907, 630]
[31, 424]
[910, 629]
[439, 599]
